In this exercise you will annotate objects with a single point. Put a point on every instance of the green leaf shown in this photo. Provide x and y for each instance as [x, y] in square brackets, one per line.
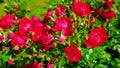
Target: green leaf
[101, 66]
[62, 61]
[5, 57]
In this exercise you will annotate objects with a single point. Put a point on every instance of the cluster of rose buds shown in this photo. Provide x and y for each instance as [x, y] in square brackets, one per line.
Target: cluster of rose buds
[108, 13]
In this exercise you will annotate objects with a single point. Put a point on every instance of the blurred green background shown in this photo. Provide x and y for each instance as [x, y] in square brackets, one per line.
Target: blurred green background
[35, 7]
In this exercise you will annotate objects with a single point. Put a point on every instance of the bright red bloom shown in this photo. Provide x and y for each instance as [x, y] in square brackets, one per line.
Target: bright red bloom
[34, 65]
[36, 37]
[48, 14]
[10, 35]
[99, 11]
[109, 14]
[106, 15]
[97, 37]
[7, 21]
[41, 25]
[81, 8]
[60, 10]
[19, 39]
[40, 32]
[35, 19]
[39, 37]
[25, 25]
[68, 31]
[37, 24]
[73, 53]
[46, 38]
[63, 24]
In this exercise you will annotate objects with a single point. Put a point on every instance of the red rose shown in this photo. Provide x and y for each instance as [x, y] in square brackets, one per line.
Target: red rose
[48, 14]
[36, 37]
[106, 15]
[38, 29]
[63, 24]
[35, 19]
[40, 26]
[46, 38]
[34, 65]
[73, 53]
[7, 21]
[97, 37]
[40, 32]
[68, 31]
[25, 25]
[40, 37]
[10, 35]
[37, 24]
[81, 8]
[109, 14]
[19, 39]
[99, 11]
[60, 10]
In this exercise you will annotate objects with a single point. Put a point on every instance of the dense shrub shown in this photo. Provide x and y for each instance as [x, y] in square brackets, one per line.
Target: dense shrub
[64, 34]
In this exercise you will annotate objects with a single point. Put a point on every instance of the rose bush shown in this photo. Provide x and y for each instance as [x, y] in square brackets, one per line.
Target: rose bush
[69, 34]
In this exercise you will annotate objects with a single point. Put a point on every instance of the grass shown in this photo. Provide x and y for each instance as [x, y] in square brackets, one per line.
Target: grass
[2, 9]
[37, 8]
